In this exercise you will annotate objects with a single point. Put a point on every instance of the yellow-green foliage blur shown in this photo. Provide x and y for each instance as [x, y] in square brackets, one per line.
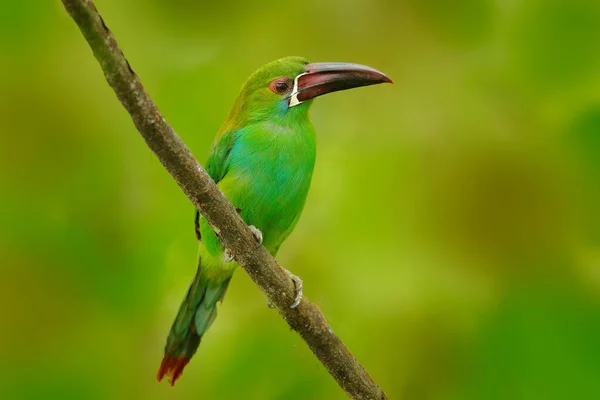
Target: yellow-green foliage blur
[451, 235]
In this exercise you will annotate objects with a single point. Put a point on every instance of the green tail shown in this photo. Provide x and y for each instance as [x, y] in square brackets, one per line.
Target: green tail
[196, 314]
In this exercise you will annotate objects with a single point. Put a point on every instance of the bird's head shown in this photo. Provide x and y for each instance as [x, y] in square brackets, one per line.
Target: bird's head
[288, 86]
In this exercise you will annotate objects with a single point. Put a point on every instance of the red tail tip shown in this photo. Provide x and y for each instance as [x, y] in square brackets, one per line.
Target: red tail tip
[173, 367]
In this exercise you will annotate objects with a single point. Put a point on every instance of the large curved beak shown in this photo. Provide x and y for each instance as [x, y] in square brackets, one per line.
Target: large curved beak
[323, 78]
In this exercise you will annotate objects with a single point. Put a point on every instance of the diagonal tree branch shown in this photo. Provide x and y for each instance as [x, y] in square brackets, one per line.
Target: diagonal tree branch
[306, 319]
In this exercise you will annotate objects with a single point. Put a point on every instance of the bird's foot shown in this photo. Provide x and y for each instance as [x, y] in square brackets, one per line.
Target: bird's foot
[297, 288]
[227, 256]
[257, 234]
[298, 285]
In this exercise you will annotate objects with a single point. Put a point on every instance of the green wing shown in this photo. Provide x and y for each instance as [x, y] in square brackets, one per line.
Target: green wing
[218, 157]
[217, 163]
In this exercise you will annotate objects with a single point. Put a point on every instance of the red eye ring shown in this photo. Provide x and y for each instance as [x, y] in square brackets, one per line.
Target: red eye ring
[281, 85]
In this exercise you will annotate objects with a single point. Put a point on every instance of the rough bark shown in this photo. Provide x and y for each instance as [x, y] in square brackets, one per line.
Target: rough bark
[193, 180]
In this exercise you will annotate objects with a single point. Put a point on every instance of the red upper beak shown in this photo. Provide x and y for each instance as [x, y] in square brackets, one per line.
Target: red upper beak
[323, 78]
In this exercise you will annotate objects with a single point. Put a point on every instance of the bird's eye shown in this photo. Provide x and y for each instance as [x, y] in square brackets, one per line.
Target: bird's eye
[280, 86]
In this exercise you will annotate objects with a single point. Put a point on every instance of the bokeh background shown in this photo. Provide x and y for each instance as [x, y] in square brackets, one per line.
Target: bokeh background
[451, 235]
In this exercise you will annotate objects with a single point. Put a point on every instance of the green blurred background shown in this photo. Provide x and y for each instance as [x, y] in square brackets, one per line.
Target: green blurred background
[451, 235]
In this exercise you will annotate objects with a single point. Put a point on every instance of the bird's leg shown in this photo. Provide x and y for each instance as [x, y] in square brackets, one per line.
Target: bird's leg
[298, 285]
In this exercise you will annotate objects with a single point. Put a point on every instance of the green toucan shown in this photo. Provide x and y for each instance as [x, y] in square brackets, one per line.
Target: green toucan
[262, 159]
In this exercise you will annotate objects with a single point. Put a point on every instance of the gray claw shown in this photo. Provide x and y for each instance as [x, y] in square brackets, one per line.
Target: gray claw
[298, 288]
[227, 256]
[257, 234]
